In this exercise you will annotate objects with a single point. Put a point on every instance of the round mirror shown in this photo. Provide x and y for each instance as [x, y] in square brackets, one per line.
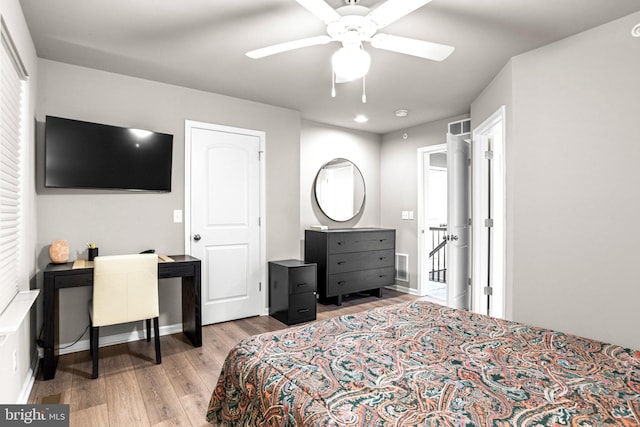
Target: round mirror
[339, 190]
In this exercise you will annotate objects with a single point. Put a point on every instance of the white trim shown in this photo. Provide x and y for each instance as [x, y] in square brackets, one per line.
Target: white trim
[29, 381]
[16, 311]
[135, 335]
[261, 135]
[421, 267]
[479, 133]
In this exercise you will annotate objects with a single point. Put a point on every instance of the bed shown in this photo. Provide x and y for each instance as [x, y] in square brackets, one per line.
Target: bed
[421, 363]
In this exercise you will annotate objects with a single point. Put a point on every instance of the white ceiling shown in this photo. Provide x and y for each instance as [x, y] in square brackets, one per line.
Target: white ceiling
[201, 44]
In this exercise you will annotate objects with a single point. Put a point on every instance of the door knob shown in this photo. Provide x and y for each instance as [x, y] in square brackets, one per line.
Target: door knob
[453, 237]
[197, 237]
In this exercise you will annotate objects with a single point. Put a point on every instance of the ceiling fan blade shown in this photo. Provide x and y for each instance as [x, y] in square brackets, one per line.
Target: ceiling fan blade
[286, 46]
[320, 9]
[392, 10]
[419, 48]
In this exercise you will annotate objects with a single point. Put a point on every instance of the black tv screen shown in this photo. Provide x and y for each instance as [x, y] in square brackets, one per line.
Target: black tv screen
[91, 155]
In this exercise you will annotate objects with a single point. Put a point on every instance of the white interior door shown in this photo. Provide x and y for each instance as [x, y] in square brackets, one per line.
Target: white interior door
[458, 222]
[489, 217]
[224, 219]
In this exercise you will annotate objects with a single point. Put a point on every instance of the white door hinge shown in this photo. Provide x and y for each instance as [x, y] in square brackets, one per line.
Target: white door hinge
[488, 154]
[488, 222]
[488, 290]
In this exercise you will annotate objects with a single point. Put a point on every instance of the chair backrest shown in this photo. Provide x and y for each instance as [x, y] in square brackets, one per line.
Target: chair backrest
[125, 288]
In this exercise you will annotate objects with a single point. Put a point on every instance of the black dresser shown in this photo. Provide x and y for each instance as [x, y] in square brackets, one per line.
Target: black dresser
[351, 260]
[292, 291]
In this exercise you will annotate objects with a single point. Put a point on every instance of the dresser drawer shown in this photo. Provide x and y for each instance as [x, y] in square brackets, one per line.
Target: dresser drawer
[302, 279]
[356, 281]
[302, 307]
[361, 241]
[354, 261]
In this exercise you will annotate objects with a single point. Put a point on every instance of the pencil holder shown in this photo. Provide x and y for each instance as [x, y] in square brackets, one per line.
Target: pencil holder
[93, 252]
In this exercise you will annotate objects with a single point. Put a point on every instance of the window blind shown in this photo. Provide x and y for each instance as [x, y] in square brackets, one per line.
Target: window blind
[11, 124]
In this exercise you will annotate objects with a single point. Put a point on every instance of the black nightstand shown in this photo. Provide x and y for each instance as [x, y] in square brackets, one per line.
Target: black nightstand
[292, 291]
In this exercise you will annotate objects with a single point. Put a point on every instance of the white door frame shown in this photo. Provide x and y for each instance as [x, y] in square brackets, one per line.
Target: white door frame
[423, 249]
[480, 133]
[190, 124]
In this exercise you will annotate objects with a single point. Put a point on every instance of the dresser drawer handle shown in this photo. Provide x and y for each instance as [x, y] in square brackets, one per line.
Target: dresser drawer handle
[381, 276]
[382, 258]
[341, 262]
[303, 310]
[340, 243]
[342, 282]
[301, 285]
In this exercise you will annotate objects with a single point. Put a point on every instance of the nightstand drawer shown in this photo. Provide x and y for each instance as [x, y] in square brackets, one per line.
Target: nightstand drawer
[302, 307]
[302, 279]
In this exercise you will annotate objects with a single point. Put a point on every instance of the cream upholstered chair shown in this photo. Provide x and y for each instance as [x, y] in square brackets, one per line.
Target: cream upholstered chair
[125, 289]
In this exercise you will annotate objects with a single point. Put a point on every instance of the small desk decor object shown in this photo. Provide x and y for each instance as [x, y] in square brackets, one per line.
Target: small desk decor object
[59, 251]
[92, 251]
[292, 291]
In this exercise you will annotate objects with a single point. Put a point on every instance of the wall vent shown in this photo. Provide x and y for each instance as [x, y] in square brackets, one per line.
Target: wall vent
[461, 127]
[402, 267]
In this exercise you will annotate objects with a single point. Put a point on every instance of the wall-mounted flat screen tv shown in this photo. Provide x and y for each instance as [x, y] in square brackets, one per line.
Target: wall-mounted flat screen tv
[91, 155]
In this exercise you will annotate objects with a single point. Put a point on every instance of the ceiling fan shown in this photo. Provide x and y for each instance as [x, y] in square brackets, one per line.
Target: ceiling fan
[354, 24]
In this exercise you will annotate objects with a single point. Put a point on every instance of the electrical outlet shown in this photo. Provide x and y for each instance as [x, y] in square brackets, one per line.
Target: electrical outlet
[177, 215]
[15, 361]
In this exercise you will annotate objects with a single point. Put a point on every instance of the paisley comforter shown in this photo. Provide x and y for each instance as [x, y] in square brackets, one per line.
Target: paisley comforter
[423, 364]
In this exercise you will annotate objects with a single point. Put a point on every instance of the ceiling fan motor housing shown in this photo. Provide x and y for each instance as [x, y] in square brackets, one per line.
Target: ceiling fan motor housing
[352, 28]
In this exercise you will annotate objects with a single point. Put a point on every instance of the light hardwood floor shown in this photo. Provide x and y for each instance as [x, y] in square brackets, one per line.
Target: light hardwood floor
[133, 391]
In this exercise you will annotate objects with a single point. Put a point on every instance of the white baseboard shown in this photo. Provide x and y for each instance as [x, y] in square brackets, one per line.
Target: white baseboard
[29, 380]
[117, 339]
[404, 289]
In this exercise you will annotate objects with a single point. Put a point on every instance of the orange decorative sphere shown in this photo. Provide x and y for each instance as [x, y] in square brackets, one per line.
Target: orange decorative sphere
[59, 251]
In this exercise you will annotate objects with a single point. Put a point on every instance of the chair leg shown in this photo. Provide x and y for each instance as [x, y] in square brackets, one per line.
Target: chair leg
[91, 340]
[95, 332]
[148, 321]
[157, 338]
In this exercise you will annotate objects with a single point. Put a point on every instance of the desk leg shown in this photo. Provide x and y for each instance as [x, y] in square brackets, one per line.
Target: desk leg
[50, 337]
[191, 308]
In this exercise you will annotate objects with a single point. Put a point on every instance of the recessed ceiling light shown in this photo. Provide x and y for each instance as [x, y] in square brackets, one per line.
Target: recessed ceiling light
[361, 118]
[635, 32]
[402, 113]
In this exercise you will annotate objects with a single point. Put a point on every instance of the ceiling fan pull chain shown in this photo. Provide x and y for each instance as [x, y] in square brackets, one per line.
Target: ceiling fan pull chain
[333, 83]
[364, 93]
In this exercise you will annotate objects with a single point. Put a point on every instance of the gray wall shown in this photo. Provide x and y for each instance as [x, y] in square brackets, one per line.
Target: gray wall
[23, 341]
[128, 222]
[399, 184]
[320, 143]
[572, 162]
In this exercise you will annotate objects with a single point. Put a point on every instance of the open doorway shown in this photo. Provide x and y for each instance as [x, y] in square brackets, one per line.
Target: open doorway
[432, 221]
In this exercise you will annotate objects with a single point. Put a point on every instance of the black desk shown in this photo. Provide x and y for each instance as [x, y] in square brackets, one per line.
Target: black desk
[58, 276]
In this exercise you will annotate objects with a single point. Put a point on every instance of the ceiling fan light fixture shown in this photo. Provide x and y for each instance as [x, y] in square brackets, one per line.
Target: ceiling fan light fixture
[351, 62]
[635, 31]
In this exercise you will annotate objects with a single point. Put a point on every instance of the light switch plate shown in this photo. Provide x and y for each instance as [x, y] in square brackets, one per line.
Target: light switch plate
[405, 214]
[410, 214]
[177, 215]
